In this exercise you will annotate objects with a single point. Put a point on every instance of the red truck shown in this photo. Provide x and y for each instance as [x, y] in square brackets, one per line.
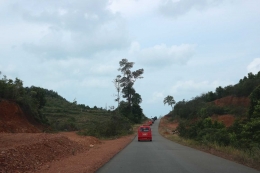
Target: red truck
[145, 133]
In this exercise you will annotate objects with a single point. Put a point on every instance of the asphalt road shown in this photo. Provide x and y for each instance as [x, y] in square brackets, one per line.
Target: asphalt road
[164, 156]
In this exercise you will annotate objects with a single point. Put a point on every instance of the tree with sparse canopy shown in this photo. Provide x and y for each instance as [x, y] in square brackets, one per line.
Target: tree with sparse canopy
[128, 79]
[124, 84]
[169, 100]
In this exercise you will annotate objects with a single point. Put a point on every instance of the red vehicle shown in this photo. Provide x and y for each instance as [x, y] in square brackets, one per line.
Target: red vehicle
[150, 122]
[145, 133]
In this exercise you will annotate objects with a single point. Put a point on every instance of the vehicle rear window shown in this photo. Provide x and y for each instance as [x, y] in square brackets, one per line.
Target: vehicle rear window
[144, 129]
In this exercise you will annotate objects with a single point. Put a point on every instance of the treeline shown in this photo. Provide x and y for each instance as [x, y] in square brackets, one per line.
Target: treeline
[196, 122]
[199, 106]
[48, 107]
[57, 114]
[33, 99]
[50, 94]
[241, 89]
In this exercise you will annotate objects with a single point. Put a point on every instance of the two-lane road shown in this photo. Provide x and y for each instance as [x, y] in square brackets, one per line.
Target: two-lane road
[164, 156]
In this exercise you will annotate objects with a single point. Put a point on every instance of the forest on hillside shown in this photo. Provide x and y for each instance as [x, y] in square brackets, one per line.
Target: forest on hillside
[57, 114]
[196, 122]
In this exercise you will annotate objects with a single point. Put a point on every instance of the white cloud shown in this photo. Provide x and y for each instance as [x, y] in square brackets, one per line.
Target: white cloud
[183, 85]
[67, 29]
[61, 73]
[135, 47]
[156, 96]
[174, 8]
[162, 55]
[96, 83]
[190, 86]
[254, 66]
[103, 69]
[133, 8]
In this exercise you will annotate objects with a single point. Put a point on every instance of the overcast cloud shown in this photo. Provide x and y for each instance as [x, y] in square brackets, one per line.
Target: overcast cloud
[185, 47]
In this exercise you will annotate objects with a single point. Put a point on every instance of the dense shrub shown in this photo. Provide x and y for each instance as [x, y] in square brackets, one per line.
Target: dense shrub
[205, 131]
[115, 126]
[133, 113]
[243, 134]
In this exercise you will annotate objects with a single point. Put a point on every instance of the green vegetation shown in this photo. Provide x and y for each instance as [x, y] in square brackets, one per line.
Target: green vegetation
[196, 123]
[98, 122]
[57, 114]
[113, 126]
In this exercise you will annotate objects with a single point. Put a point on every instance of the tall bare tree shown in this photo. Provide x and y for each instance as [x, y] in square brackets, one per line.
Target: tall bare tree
[118, 87]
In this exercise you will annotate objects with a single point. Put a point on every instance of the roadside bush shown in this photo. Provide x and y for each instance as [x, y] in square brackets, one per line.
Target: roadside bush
[115, 126]
[205, 131]
[67, 125]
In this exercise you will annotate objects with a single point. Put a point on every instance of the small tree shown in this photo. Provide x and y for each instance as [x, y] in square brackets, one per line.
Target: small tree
[169, 100]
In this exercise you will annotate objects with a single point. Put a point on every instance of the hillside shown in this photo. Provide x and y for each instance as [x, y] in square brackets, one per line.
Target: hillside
[227, 133]
[24, 148]
[226, 120]
[66, 116]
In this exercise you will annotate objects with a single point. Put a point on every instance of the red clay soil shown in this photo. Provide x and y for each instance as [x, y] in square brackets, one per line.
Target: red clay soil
[233, 101]
[168, 126]
[227, 120]
[52, 153]
[13, 120]
[67, 152]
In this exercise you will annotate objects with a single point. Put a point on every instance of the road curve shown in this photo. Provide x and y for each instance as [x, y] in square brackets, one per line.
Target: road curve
[164, 156]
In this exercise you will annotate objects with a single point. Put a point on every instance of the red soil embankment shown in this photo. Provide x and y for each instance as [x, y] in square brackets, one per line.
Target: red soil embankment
[13, 119]
[233, 101]
[228, 119]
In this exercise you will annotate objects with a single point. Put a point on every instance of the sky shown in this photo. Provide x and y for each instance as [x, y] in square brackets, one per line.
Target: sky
[185, 47]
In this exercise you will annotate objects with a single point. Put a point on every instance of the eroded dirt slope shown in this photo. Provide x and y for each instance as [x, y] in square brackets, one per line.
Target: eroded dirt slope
[233, 101]
[13, 120]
